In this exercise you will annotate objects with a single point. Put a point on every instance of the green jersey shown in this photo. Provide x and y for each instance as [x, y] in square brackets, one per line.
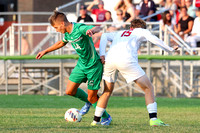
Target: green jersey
[83, 45]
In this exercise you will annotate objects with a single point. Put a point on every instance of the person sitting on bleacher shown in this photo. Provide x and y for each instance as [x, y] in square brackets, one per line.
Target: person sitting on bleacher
[99, 12]
[191, 8]
[127, 8]
[167, 20]
[84, 16]
[185, 24]
[195, 34]
[172, 9]
[148, 7]
[118, 23]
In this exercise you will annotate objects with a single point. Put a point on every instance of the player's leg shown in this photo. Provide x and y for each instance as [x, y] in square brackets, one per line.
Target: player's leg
[73, 90]
[108, 89]
[145, 84]
[94, 76]
[76, 78]
[102, 104]
[110, 76]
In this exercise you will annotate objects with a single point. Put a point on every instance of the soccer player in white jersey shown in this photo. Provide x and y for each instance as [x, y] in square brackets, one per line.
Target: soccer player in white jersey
[122, 57]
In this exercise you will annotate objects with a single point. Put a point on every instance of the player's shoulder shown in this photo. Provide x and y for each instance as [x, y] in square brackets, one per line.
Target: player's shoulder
[139, 31]
[78, 24]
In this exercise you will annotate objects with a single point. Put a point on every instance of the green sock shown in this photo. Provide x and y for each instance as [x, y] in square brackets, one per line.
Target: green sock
[80, 94]
[105, 114]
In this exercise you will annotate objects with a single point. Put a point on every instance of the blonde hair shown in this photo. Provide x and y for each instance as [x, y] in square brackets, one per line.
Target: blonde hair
[57, 16]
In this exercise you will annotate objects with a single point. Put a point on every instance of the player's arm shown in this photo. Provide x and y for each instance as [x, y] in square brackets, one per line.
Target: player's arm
[155, 40]
[57, 45]
[89, 29]
[94, 30]
[103, 43]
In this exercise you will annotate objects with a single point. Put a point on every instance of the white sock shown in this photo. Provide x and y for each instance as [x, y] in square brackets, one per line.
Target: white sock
[99, 111]
[152, 108]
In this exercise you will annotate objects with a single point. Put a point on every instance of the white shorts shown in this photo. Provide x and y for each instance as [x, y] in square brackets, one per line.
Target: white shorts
[130, 71]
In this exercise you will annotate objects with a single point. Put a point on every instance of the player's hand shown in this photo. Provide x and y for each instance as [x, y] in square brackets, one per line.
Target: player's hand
[89, 33]
[175, 47]
[40, 54]
[102, 59]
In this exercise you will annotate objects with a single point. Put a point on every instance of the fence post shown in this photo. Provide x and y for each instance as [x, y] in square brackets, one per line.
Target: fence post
[61, 78]
[5, 64]
[182, 73]
[20, 64]
[12, 40]
[19, 17]
[191, 74]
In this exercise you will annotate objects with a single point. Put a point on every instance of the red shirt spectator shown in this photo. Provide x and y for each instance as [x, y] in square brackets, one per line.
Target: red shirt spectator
[100, 12]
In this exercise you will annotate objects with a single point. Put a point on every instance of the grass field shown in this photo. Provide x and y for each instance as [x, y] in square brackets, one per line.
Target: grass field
[34, 113]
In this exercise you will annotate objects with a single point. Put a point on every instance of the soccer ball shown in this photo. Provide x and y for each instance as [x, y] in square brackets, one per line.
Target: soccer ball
[72, 115]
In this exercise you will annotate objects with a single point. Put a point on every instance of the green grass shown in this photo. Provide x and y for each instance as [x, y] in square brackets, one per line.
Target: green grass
[34, 113]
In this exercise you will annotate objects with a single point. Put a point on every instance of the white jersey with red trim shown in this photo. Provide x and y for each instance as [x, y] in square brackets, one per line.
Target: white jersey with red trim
[125, 44]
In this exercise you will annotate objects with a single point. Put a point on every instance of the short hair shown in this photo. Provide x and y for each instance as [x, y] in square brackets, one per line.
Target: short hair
[57, 16]
[138, 23]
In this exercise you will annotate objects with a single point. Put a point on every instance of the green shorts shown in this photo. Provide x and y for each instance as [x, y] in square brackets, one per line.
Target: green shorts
[93, 75]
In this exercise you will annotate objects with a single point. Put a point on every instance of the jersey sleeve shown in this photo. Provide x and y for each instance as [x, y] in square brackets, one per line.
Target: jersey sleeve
[103, 42]
[83, 28]
[65, 39]
[155, 40]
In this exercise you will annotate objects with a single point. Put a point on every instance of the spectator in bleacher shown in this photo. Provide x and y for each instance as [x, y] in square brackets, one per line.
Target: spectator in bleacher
[170, 5]
[179, 3]
[162, 3]
[99, 12]
[195, 34]
[172, 9]
[128, 9]
[84, 16]
[118, 23]
[108, 16]
[190, 8]
[166, 20]
[148, 7]
[185, 24]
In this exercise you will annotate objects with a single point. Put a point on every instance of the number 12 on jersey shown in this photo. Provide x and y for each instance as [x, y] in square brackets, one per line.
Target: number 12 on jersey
[126, 33]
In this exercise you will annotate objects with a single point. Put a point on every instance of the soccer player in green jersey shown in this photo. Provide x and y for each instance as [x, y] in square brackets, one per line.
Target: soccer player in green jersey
[89, 67]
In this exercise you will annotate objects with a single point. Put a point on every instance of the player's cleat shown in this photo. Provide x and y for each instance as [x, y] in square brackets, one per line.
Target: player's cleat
[95, 123]
[157, 122]
[85, 109]
[106, 121]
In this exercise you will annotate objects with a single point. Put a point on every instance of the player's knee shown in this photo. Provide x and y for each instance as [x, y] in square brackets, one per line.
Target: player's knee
[69, 92]
[92, 99]
[148, 88]
[107, 93]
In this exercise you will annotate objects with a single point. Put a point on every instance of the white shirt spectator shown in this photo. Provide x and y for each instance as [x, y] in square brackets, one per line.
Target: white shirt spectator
[196, 26]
